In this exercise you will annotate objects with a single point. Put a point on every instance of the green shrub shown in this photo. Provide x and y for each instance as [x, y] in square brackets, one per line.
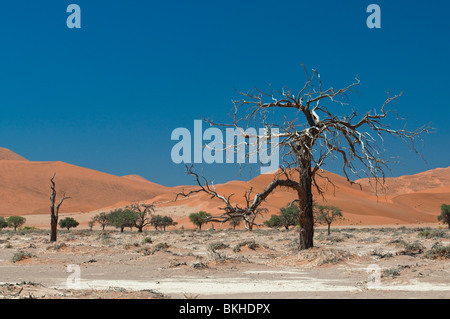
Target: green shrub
[435, 233]
[68, 223]
[3, 222]
[28, 228]
[147, 240]
[438, 251]
[412, 249]
[391, 272]
[217, 246]
[160, 246]
[20, 255]
[445, 215]
[249, 243]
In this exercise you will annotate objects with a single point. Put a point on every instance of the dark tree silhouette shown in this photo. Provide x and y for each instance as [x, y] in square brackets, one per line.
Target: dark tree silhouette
[54, 209]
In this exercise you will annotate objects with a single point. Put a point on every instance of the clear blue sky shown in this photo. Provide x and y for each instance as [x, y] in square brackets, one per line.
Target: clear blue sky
[107, 96]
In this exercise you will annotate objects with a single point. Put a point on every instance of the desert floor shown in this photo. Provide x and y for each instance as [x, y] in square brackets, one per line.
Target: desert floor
[353, 262]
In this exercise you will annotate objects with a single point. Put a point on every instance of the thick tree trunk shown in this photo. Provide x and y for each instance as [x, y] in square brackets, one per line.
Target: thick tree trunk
[53, 229]
[329, 231]
[306, 222]
[306, 218]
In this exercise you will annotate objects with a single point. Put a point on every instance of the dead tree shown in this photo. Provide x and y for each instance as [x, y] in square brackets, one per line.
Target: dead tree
[232, 211]
[309, 133]
[143, 214]
[54, 209]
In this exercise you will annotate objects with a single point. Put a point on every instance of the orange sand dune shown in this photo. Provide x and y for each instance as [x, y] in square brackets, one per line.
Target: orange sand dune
[25, 187]
[6, 154]
[359, 205]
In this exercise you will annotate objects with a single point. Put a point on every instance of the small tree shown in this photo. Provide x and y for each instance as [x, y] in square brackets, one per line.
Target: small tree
[102, 219]
[327, 215]
[288, 216]
[91, 224]
[16, 221]
[68, 223]
[3, 222]
[168, 221]
[274, 221]
[444, 217]
[143, 214]
[156, 221]
[121, 218]
[199, 218]
[235, 221]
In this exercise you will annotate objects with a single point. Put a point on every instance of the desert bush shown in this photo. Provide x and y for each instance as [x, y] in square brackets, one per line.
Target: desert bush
[28, 228]
[412, 249]
[249, 243]
[147, 240]
[21, 255]
[217, 246]
[397, 242]
[146, 251]
[381, 254]
[200, 265]
[56, 247]
[160, 246]
[444, 217]
[3, 223]
[438, 251]
[335, 239]
[432, 233]
[217, 256]
[391, 272]
[333, 257]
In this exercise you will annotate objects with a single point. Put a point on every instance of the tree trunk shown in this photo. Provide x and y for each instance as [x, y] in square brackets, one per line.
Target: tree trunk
[53, 227]
[306, 218]
[329, 232]
[140, 229]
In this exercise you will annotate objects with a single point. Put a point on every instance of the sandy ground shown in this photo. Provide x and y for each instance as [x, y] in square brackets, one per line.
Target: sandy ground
[354, 262]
